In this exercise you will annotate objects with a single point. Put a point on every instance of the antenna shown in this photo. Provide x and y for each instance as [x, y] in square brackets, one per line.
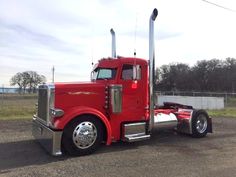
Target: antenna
[134, 52]
[92, 49]
[92, 56]
[135, 34]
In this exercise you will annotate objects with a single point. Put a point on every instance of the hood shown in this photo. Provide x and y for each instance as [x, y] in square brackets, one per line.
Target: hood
[69, 95]
[72, 87]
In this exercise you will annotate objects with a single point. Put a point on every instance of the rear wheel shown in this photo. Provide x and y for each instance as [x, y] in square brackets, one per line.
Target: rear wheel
[82, 136]
[200, 124]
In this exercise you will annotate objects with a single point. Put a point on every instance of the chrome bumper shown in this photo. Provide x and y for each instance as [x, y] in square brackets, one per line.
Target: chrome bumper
[48, 138]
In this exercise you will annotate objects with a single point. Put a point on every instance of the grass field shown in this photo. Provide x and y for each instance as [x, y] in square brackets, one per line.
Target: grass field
[229, 111]
[15, 106]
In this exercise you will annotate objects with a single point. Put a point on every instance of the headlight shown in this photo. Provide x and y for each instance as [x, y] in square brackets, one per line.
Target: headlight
[56, 112]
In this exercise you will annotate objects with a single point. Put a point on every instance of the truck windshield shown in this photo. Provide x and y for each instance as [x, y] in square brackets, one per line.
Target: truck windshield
[103, 74]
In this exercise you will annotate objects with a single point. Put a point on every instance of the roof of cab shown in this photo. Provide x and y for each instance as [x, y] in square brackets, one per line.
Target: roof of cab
[116, 62]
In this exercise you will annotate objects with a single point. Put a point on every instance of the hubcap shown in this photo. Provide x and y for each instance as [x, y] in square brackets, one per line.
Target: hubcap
[84, 135]
[201, 124]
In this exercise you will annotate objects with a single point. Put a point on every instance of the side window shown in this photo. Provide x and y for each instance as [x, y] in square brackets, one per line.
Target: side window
[127, 72]
[130, 72]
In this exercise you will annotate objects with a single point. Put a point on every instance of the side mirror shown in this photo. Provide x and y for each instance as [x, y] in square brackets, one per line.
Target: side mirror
[136, 72]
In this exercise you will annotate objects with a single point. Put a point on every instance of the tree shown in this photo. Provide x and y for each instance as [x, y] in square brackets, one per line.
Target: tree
[206, 75]
[27, 79]
[34, 80]
[17, 79]
[230, 70]
[174, 77]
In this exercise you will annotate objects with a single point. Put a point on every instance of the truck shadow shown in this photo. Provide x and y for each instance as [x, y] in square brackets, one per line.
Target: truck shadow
[172, 139]
[157, 138]
[23, 153]
[28, 152]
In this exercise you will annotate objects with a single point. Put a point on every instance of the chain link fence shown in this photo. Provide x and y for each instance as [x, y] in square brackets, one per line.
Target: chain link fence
[14, 104]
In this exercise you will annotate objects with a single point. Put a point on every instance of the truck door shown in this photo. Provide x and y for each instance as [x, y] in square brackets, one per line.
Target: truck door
[133, 94]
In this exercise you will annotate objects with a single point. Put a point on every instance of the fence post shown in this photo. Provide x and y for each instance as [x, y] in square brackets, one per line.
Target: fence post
[226, 99]
[2, 93]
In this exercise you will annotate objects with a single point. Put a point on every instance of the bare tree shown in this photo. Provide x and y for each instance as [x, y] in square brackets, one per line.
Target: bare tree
[17, 79]
[27, 79]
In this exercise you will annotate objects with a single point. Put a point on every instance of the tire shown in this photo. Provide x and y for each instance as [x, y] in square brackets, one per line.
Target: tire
[200, 123]
[82, 136]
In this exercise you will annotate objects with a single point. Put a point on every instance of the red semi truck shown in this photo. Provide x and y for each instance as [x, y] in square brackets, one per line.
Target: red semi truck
[117, 104]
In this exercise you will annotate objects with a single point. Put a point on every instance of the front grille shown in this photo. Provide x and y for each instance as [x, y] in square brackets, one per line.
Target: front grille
[43, 103]
[46, 96]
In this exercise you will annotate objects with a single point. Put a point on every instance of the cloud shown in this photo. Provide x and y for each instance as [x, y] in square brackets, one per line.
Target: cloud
[161, 34]
[17, 35]
[35, 35]
[22, 48]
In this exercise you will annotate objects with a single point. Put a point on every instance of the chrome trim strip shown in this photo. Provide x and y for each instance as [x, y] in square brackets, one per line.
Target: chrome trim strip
[82, 93]
[51, 101]
[135, 124]
[190, 123]
[166, 125]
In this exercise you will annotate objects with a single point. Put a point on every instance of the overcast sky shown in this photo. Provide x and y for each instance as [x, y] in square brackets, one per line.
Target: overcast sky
[70, 34]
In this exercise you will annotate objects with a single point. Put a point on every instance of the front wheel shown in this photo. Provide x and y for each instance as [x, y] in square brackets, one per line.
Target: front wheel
[82, 136]
[200, 124]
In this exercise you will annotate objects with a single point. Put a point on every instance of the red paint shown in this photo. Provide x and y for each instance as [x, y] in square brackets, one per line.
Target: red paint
[89, 98]
[81, 110]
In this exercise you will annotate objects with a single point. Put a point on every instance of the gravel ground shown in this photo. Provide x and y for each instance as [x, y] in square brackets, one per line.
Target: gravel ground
[165, 154]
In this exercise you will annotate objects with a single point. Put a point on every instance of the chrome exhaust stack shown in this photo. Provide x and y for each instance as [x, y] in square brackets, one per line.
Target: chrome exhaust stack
[151, 68]
[113, 43]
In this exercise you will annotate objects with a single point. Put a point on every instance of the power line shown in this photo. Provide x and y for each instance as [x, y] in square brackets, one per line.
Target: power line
[220, 6]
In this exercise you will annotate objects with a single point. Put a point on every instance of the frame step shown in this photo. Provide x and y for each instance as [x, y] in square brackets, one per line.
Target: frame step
[136, 137]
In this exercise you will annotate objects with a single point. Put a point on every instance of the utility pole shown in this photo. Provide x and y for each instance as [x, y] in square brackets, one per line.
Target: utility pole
[53, 74]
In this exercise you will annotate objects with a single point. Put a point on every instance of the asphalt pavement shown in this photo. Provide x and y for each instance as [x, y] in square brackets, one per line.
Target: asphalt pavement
[165, 154]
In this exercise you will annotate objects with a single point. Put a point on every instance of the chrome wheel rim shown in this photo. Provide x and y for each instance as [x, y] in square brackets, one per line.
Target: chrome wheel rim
[84, 135]
[201, 123]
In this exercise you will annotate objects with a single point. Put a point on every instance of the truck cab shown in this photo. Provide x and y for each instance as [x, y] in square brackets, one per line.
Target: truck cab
[130, 77]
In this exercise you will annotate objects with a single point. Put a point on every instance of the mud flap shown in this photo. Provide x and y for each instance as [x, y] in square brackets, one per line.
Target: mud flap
[209, 128]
